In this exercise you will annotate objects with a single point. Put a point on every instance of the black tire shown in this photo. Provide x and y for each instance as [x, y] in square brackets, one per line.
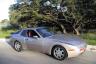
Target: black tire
[60, 54]
[18, 46]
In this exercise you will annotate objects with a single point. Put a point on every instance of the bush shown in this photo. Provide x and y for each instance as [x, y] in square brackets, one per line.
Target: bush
[90, 38]
[6, 33]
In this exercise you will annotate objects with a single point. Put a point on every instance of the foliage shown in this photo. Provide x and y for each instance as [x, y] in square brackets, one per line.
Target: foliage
[4, 23]
[28, 13]
[6, 34]
[23, 13]
[90, 38]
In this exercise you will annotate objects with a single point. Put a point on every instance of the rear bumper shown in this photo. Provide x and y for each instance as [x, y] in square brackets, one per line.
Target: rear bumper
[74, 51]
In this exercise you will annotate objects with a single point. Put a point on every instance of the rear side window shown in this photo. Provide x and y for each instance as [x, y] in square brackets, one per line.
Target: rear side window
[24, 33]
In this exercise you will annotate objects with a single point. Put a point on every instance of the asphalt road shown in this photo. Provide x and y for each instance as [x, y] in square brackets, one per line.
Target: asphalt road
[9, 56]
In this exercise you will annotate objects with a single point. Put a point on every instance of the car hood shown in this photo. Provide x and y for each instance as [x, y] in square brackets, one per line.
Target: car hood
[68, 39]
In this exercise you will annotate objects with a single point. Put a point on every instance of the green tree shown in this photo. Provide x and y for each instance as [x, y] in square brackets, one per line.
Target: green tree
[31, 12]
[73, 16]
[24, 13]
[28, 14]
[4, 24]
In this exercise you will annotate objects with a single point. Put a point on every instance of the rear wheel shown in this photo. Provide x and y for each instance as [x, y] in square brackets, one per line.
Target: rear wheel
[59, 52]
[18, 46]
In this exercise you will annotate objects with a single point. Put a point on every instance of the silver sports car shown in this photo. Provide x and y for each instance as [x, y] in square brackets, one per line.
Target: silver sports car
[60, 46]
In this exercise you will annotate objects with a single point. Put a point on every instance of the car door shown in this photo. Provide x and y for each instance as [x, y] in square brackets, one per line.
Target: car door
[33, 40]
[23, 37]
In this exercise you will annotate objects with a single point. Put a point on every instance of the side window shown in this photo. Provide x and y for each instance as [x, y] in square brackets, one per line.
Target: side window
[32, 33]
[24, 33]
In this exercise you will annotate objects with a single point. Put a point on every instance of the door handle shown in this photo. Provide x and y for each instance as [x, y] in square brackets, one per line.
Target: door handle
[26, 39]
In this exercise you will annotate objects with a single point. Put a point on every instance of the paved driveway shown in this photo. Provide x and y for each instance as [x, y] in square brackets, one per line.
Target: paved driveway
[9, 56]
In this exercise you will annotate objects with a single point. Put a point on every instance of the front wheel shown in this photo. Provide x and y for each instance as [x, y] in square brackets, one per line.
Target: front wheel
[59, 53]
[18, 46]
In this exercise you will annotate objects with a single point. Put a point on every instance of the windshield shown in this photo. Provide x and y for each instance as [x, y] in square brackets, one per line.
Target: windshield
[44, 32]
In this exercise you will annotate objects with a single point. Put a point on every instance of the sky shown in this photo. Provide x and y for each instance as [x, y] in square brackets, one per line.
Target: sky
[4, 8]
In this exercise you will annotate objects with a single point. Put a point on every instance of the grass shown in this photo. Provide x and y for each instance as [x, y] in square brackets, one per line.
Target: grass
[90, 38]
[6, 33]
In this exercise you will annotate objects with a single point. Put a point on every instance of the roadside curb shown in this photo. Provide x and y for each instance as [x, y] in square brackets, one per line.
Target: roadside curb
[3, 40]
[89, 47]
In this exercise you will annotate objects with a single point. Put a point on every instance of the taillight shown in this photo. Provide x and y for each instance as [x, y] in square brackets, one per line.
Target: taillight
[82, 49]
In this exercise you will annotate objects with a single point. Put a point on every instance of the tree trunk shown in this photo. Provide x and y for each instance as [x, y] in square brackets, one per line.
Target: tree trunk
[77, 31]
[63, 29]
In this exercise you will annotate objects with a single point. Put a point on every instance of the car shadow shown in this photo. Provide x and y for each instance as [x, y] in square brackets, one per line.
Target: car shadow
[51, 56]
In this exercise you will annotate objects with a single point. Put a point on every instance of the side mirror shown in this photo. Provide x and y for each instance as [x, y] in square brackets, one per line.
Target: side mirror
[36, 37]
